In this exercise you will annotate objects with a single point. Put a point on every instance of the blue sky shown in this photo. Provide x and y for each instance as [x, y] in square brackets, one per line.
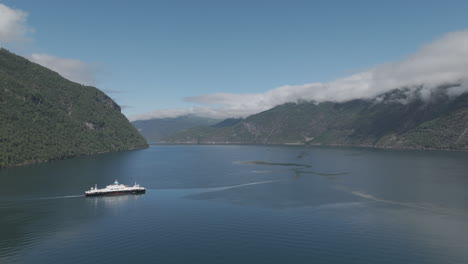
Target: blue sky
[150, 55]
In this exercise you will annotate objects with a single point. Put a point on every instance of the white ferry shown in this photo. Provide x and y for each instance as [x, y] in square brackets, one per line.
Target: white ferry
[115, 189]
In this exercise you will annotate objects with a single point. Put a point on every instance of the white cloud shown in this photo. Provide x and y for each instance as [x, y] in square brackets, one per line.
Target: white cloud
[445, 61]
[71, 69]
[14, 29]
[13, 25]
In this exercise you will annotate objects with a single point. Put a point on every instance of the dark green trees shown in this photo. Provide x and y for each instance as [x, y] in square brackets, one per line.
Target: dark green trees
[44, 116]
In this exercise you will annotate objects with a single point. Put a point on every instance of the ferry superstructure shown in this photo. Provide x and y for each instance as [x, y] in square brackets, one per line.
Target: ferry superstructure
[115, 189]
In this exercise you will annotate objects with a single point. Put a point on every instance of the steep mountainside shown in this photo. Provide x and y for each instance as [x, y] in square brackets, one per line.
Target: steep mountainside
[44, 116]
[438, 123]
[158, 128]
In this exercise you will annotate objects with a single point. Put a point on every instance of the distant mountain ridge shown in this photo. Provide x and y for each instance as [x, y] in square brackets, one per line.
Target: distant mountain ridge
[438, 123]
[158, 128]
[46, 117]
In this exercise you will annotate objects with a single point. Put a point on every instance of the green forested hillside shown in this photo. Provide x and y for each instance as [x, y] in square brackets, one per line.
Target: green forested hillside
[440, 122]
[44, 116]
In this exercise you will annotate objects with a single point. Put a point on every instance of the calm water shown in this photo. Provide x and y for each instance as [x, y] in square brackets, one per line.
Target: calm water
[240, 204]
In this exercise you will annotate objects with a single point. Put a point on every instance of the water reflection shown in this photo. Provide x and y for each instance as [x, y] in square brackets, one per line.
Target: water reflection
[113, 201]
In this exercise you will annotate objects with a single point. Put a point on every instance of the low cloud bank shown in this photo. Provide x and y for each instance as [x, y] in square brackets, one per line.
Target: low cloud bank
[71, 69]
[444, 61]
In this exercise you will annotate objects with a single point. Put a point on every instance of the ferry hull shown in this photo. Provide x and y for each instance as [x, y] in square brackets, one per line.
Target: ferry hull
[120, 192]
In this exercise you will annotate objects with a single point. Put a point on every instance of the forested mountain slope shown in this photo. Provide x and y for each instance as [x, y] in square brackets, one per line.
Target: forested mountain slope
[393, 120]
[43, 116]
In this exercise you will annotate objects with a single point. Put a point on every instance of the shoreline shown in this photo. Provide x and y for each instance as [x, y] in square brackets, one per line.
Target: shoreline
[35, 162]
[305, 145]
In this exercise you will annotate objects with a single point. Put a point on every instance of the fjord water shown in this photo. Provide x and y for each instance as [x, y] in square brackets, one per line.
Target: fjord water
[240, 204]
